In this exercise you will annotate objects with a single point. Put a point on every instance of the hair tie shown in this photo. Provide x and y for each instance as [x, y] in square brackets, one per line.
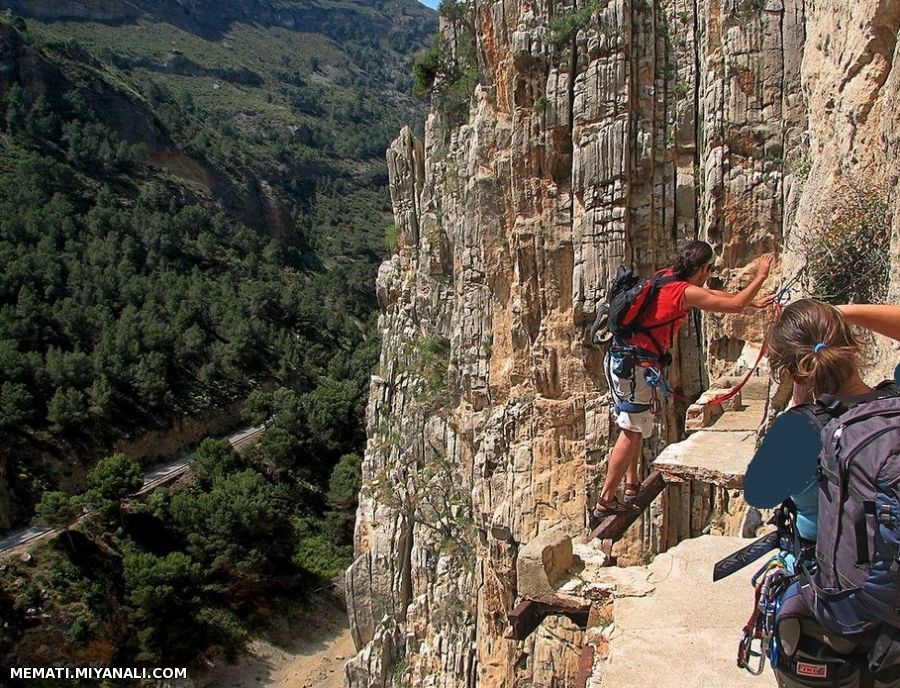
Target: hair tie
[818, 347]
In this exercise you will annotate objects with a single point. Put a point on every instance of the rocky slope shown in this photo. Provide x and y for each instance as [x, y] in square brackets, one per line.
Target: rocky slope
[736, 121]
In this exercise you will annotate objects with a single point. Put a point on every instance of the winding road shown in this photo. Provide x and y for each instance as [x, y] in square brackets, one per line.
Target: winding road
[157, 476]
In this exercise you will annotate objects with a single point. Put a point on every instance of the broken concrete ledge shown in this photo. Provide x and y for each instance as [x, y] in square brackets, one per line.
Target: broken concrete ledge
[679, 629]
[543, 563]
[717, 458]
[701, 414]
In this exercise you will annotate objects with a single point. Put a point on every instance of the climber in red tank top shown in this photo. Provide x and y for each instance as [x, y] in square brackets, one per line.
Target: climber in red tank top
[663, 317]
[659, 323]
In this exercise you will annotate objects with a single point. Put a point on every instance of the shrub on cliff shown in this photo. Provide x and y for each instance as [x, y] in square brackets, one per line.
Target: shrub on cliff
[565, 25]
[449, 69]
[848, 256]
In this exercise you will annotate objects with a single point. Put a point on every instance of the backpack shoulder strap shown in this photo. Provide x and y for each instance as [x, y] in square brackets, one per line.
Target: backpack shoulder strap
[888, 388]
[884, 390]
[659, 279]
[656, 283]
[820, 413]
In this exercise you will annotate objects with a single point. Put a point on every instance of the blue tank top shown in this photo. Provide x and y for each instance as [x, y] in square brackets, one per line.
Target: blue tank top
[807, 503]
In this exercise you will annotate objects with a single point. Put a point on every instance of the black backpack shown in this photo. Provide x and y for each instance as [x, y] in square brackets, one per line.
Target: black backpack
[629, 297]
[857, 584]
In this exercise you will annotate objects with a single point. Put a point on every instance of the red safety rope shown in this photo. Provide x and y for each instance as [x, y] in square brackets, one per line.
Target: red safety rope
[750, 631]
[734, 391]
[730, 394]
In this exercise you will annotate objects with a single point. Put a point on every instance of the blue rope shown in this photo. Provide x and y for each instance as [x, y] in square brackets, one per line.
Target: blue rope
[785, 294]
[657, 380]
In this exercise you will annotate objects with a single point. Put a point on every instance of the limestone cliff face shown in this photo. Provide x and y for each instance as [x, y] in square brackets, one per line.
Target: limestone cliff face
[852, 95]
[657, 123]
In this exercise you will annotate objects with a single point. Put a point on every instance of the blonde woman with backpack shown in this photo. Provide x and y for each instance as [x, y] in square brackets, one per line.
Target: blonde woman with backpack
[834, 592]
[812, 344]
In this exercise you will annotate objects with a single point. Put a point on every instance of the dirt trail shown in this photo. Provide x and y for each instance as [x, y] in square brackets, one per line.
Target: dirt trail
[307, 648]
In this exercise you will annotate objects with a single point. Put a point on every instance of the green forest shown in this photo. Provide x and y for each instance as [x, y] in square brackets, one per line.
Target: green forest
[187, 221]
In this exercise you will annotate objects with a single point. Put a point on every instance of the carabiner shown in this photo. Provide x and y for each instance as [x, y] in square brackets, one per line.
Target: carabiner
[743, 647]
[760, 654]
[655, 405]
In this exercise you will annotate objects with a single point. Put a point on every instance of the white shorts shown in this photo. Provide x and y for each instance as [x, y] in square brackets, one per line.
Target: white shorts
[634, 389]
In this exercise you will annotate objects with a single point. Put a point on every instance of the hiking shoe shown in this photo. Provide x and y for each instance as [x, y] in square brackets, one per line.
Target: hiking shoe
[609, 507]
[634, 489]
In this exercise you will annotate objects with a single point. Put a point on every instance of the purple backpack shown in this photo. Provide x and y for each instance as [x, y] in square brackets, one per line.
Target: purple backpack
[856, 586]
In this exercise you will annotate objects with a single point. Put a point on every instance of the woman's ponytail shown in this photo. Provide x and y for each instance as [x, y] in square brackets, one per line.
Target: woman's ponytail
[813, 343]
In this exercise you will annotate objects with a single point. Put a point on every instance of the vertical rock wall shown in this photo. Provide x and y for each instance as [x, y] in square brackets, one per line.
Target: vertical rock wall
[852, 95]
[488, 420]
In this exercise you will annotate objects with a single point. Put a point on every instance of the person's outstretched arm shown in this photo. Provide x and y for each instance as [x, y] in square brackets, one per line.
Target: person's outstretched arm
[762, 302]
[882, 319]
[722, 302]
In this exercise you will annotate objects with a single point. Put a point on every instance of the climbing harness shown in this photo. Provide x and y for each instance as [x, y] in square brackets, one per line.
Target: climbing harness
[620, 362]
[758, 638]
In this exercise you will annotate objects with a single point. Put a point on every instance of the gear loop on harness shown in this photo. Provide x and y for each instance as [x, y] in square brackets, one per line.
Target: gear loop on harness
[656, 379]
[655, 404]
[770, 582]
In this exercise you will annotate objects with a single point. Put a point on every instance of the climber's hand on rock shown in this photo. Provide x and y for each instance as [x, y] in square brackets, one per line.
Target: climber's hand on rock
[765, 301]
[765, 264]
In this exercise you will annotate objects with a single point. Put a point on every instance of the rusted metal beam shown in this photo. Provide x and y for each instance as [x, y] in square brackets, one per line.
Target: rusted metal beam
[614, 527]
[528, 614]
[585, 666]
[524, 619]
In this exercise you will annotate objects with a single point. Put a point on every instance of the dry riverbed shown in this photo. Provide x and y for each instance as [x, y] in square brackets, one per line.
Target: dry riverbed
[306, 648]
